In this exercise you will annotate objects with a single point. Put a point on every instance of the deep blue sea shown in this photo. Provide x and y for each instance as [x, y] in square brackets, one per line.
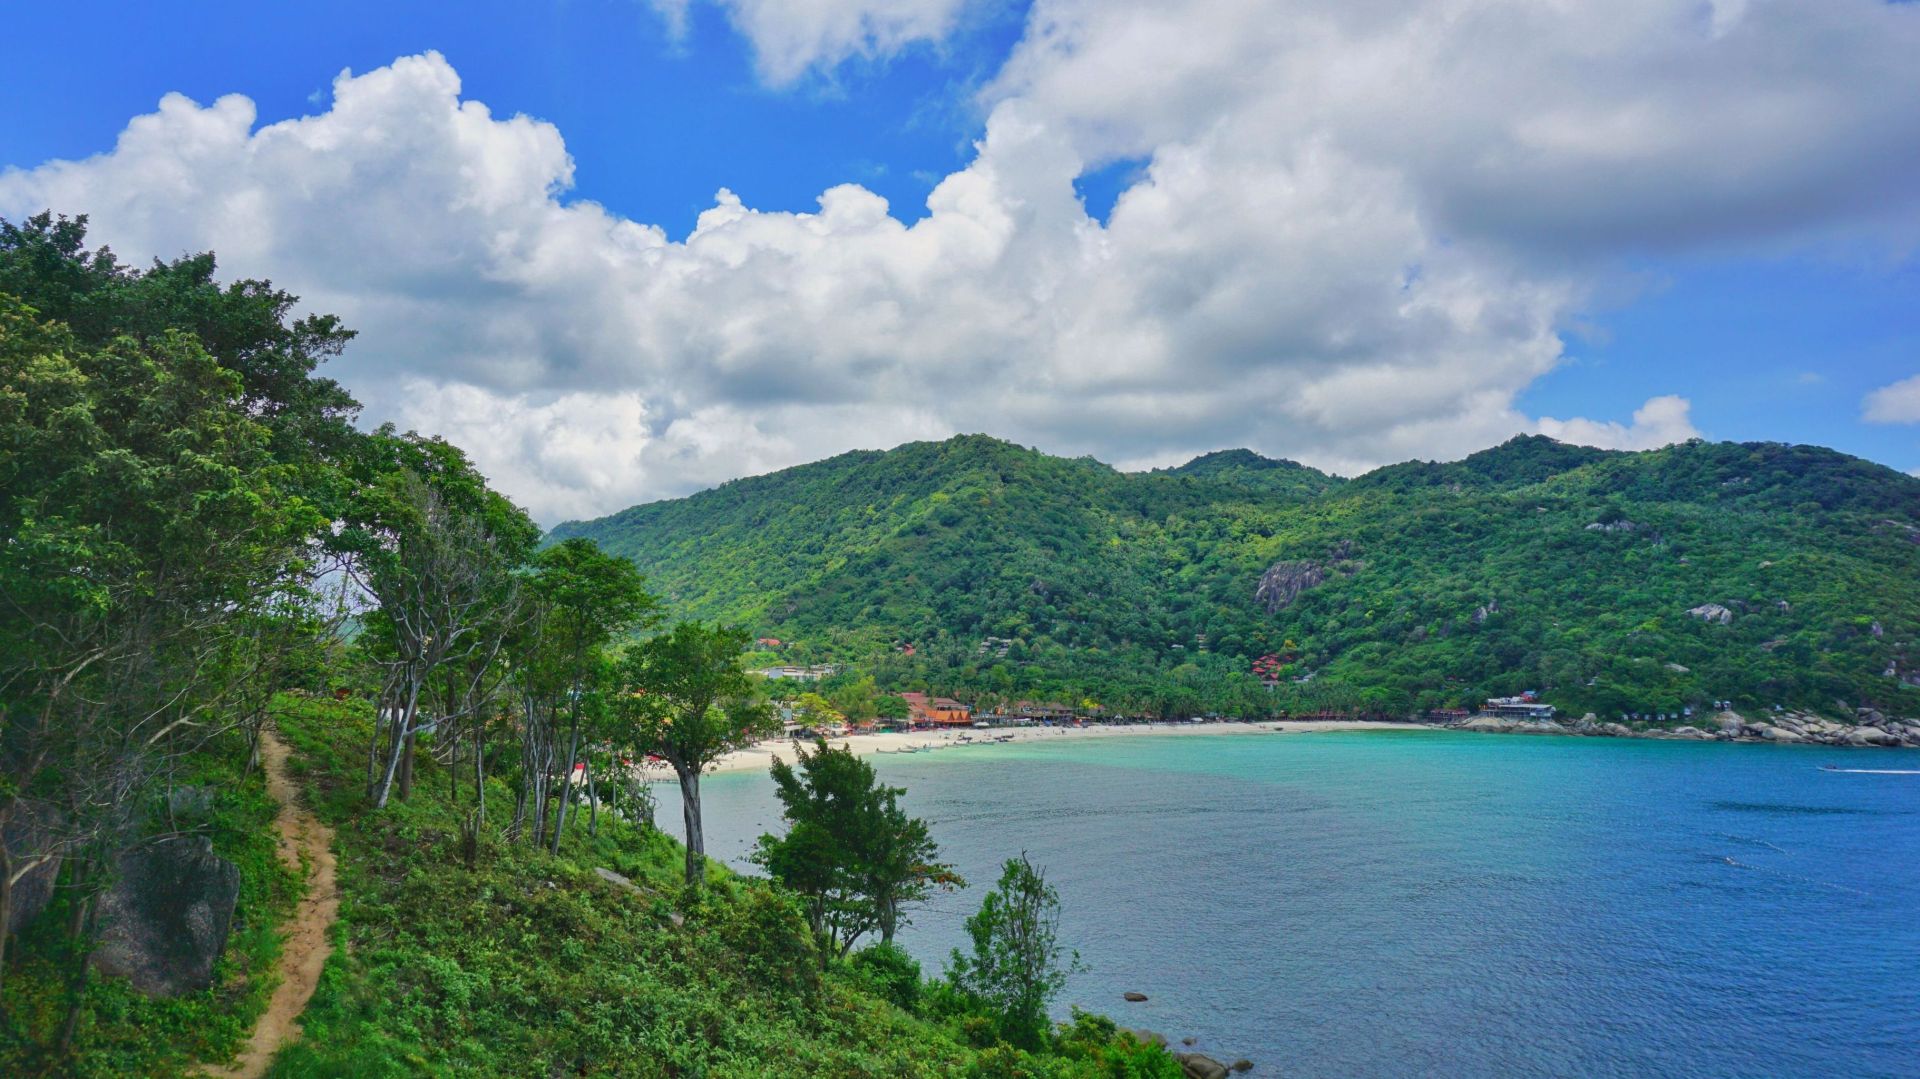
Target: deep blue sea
[1436, 903]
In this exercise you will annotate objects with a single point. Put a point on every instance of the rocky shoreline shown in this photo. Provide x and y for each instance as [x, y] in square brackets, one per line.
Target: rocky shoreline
[1870, 729]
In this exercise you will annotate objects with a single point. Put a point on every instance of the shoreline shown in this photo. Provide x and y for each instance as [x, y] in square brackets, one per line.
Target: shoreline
[761, 756]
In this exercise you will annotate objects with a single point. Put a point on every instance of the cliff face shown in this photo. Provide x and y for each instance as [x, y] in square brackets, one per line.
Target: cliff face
[1284, 582]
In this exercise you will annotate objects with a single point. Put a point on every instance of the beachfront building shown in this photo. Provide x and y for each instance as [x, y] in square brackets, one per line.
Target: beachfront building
[799, 674]
[937, 711]
[1522, 707]
[1044, 711]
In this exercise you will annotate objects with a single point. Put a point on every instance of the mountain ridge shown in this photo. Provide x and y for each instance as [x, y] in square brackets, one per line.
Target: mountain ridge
[1530, 565]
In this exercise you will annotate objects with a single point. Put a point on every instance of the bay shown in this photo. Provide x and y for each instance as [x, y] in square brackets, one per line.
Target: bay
[1438, 903]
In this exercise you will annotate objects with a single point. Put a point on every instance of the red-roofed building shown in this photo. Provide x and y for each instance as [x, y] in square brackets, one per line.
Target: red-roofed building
[937, 711]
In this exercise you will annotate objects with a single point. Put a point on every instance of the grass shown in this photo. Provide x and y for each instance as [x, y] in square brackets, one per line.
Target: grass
[532, 965]
[529, 964]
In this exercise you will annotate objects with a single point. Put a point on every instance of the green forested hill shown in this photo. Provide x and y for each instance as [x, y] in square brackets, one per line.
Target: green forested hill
[1533, 565]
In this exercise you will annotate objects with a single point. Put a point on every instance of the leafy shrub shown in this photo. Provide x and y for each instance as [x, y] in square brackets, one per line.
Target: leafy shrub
[888, 972]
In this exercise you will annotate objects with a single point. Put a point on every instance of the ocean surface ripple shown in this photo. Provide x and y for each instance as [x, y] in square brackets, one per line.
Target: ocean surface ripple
[1433, 903]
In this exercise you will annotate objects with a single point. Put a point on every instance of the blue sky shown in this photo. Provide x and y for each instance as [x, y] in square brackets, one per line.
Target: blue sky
[1659, 236]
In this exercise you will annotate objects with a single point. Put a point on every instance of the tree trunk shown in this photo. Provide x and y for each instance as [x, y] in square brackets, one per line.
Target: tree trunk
[6, 909]
[690, 814]
[480, 772]
[403, 728]
[566, 780]
[80, 931]
[405, 780]
[593, 804]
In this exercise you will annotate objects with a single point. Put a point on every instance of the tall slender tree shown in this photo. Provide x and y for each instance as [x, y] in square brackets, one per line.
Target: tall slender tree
[691, 702]
[435, 551]
[1016, 967]
[585, 599]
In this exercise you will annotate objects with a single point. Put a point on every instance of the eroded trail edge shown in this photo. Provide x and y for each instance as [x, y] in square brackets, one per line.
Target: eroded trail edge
[305, 951]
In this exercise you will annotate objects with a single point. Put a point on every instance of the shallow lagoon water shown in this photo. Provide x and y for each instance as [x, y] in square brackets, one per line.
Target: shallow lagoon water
[1436, 903]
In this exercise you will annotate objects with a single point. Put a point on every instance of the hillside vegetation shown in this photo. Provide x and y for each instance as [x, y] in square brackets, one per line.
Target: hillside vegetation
[202, 550]
[1533, 565]
[526, 963]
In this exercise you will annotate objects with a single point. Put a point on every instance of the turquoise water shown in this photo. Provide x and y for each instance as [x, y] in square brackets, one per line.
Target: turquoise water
[1433, 903]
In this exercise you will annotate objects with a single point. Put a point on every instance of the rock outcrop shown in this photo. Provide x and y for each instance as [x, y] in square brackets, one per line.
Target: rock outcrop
[1285, 581]
[1712, 612]
[166, 918]
[1869, 728]
[1200, 1066]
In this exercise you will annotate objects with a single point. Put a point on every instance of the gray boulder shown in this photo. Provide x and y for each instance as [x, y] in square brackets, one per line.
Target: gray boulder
[615, 879]
[166, 918]
[1200, 1066]
[190, 803]
[1871, 736]
[1712, 612]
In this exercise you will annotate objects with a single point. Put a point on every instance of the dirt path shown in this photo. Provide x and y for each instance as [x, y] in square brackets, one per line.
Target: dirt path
[306, 948]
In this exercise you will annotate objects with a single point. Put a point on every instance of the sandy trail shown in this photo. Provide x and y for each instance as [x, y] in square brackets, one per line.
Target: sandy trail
[307, 946]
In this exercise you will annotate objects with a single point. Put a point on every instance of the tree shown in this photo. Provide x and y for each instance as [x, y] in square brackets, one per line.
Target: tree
[816, 712]
[161, 518]
[1015, 970]
[857, 699]
[855, 858]
[584, 598]
[691, 702]
[435, 551]
[892, 708]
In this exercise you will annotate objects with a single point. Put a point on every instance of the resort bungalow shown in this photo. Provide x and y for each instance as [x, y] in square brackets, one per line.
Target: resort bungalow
[1523, 707]
[937, 711]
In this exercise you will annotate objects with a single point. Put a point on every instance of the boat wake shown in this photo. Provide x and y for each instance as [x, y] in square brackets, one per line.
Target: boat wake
[1875, 771]
[1794, 877]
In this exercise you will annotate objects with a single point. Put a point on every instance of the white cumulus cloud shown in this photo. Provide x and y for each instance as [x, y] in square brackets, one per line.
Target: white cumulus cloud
[1662, 421]
[1898, 403]
[1354, 234]
[793, 37]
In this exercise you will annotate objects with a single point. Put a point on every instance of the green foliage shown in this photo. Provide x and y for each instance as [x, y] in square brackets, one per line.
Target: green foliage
[888, 972]
[1016, 967]
[692, 703]
[1141, 591]
[122, 1032]
[169, 463]
[853, 856]
[530, 964]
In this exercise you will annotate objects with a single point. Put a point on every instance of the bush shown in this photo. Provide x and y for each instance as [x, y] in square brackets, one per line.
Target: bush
[888, 972]
[767, 927]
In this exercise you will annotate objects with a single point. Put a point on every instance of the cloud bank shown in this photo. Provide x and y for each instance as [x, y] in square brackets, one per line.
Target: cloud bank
[1354, 236]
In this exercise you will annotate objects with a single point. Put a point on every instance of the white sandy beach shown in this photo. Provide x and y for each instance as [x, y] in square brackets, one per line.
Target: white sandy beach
[761, 756]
